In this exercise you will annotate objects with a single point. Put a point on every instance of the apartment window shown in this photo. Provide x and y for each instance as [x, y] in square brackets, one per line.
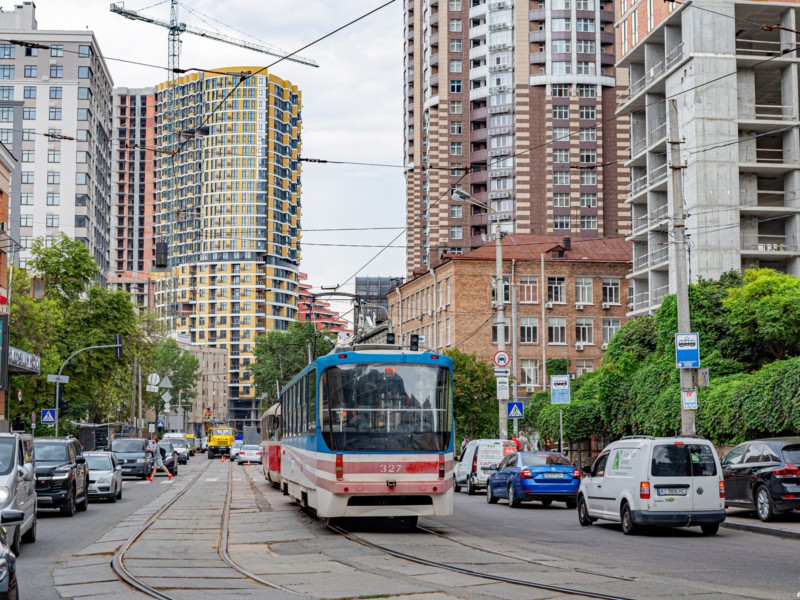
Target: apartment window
[84, 93]
[561, 25]
[26, 199]
[54, 156]
[561, 67]
[56, 72]
[456, 127]
[562, 47]
[84, 73]
[588, 200]
[587, 113]
[557, 330]
[528, 330]
[588, 156]
[584, 330]
[26, 220]
[6, 115]
[624, 36]
[611, 290]
[506, 331]
[501, 184]
[54, 114]
[584, 4]
[28, 71]
[583, 365]
[455, 45]
[81, 156]
[56, 92]
[528, 289]
[456, 169]
[529, 372]
[586, 68]
[455, 86]
[561, 222]
[583, 290]
[588, 134]
[586, 90]
[561, 111]
[5, 136]
[560, 90]
[455, 66]
[456, 211]
[506, 289]
[53, 177]
[82, 135]
[81, 179]
[52, 221]
[83, 221]
[560, 177]
[588, 177]
[6, 92]
[456, 148]
[57, 50]
[634, 27]
[610, 327]
[29, 91]
[28, 114]
[53, 199]
[559, 4]
[455, 5]
[456, 107]
[561, 156]
[83, 114]
[586, 46]
[456, 232]
[560, 134]
[556, 289]
[588, 222]
[561, 200]
[584, 25]
[84, 51]
[25, 242]
[455, 25]
[8, 51]
[28, 156]
[7, 71]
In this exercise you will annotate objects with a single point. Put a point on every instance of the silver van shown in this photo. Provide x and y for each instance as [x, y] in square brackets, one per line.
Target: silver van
[18, 486]
[473, 467]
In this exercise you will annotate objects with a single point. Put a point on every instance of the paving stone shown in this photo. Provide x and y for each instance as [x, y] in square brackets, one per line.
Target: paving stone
[93, 589]
[166, 583]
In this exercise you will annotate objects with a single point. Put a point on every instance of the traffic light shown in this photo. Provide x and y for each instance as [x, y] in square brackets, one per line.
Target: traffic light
[390, 338]
[414, 347]
[61, 401]
[118, 349]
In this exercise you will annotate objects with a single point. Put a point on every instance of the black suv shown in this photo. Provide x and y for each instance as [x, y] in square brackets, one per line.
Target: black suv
[62, 477]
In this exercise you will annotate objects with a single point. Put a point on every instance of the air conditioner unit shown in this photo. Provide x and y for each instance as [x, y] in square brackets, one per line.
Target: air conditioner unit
[579, 307]
[529, 388]
[549, 305]
[606, 306]
[604, 347]
[579, 347]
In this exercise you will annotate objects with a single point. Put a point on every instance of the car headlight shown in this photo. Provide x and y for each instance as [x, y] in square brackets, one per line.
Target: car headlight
[141, 460]
[3, 494]
[60, 475]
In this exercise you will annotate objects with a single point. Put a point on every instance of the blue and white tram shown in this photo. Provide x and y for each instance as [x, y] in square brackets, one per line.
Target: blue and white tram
[369, 433]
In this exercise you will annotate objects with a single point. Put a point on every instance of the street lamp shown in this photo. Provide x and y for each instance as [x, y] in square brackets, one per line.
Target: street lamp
[499, 297]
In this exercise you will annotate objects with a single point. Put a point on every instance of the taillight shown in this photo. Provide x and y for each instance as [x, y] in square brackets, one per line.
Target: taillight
[721, 489]
[644, 490]
[789, 470]
[258, 453]
[441, 466]
[576, 474]
[789, 496]
[475, 464]
[339, 467]
[526, 474]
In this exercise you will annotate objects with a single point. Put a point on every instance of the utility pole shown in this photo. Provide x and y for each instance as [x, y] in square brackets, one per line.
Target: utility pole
[500, 305]
[681, 266]
[514, 342]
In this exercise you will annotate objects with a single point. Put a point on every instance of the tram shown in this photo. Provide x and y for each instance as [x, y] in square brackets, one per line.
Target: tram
[368, 432]
[271, 444]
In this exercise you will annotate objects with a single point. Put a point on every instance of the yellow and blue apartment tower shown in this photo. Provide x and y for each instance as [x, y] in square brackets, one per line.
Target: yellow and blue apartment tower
[228, 207]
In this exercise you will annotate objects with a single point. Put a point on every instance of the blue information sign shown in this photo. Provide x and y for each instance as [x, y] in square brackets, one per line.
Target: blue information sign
[559, 389]
[687, 350]
[516, 410]
[48, 416]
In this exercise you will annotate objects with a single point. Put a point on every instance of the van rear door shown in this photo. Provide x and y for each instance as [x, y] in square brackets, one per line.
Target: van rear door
[671, 478]
[706, 477]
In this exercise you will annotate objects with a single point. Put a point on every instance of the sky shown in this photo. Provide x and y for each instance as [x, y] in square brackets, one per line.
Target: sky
[352, 104]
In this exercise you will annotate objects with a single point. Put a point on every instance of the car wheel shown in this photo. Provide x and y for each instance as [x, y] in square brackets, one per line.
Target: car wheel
[456, 487]
[571, 503]
[583, 513]
[84, 504]
[113, 497]
[30, 536]
[512, 499]
[628, 526]
[210, 456]
[546, 501]
[490, 497]
[119, 492]
[15, 542]
[709, 528]
[68, 508]
[175, 471]
[764, 506]
[470, 486]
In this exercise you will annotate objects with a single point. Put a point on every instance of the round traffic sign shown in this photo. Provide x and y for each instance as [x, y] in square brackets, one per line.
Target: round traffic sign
[502, 358]
[33, 417]
[153, 379]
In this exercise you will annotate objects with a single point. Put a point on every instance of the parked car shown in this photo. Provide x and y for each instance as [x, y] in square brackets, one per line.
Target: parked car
[472, 469]
[542, 476]
[132, 455]
[8, 560]
[105, 476]
[764, 475]
[62, 478]
[251, 454]
[18, 486]
[645, 480]
[237, 445]
[169, 456]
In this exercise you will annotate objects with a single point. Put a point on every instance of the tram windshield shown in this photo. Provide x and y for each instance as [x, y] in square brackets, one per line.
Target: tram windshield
[386, 407]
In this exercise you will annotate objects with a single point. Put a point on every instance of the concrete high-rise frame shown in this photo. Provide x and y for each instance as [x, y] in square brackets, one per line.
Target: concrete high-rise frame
[514, 102]
[737, 91]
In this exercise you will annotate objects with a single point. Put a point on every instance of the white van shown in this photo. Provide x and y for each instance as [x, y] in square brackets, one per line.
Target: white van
[645, 480]
[473, 467]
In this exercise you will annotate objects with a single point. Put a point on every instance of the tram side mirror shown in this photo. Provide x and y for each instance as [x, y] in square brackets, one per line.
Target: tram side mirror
[491, 468]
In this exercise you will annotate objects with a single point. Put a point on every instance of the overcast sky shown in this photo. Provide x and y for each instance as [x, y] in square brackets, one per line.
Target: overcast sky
[352, 104]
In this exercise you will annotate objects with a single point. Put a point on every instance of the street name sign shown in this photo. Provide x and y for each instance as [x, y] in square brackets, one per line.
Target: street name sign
[560, 389]
[502, 388]
[57, 379]
[516, 410]
[48, 416]
[687, 350]
[502, 358]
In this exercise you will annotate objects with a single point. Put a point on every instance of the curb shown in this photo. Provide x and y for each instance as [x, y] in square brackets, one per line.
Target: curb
[762, 529]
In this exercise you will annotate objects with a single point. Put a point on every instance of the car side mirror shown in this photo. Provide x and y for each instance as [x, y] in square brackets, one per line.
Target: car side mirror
[81, 460]
[492, 467]
[119, 468]
[587, 470]
[29, 473]
[11, 517]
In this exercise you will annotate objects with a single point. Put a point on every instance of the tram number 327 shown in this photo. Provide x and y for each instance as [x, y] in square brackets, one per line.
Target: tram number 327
[390, 468]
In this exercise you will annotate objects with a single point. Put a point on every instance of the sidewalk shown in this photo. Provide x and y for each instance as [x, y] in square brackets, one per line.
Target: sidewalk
[785, 526]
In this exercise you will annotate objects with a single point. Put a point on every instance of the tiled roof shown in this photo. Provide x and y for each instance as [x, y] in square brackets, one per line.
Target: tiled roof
[530, 247]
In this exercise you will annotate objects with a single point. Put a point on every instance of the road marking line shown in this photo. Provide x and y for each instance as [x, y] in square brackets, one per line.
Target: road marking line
[213, 479]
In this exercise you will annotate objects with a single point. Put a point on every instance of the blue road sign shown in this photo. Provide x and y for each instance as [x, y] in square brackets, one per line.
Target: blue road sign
[687, 350]
[559, 389]
[48, 416]
[516, 410]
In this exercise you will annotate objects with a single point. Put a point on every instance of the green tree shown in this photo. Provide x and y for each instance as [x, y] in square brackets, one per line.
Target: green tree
[280, 355]
[475, 396]
[67, 266]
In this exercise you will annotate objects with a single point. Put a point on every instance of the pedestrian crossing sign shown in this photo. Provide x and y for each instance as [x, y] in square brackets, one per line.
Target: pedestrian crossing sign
[48, 416]
[516, 410]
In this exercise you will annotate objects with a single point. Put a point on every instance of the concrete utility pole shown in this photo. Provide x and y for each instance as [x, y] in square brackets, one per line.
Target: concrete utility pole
[500, 304]
[681, 254]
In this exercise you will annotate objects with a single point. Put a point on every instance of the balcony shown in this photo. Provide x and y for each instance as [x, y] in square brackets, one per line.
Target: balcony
[479, 93]
[478, 135]
[481, 72]
[658, 174]
[478, 32]
[659, 293]
[478, 177]
[478, 52]
[641, 301]
[770, 243]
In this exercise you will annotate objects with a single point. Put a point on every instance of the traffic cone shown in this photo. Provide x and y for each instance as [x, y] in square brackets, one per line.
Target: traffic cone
[248, 463]
[223, 458]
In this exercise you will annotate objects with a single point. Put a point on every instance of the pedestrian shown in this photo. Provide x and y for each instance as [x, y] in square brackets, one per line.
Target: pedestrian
[159, 459]
[516, 441]
[526, 445]
[464, 443]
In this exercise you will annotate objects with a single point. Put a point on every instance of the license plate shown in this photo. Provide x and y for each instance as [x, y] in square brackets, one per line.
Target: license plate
[671, 491]
[554, 476]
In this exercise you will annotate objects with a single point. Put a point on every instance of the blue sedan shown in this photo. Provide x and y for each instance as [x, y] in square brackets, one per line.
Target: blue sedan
[542, 476]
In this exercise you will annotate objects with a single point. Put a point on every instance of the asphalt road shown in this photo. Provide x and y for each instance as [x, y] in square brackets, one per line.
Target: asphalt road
[746, 563]
[58, 537]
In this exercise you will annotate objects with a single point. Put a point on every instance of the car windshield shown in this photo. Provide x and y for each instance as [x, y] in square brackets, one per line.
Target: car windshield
[167, 447]
[221, 432]
[98, 462]
[683, 460]
[536, 459]
[178, 443]
[127, 446]
[6, 455]
[52, 452]
[791, 454]
[251, 448]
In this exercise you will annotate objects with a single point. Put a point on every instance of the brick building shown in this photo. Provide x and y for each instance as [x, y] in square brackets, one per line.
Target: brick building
[582, 304]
